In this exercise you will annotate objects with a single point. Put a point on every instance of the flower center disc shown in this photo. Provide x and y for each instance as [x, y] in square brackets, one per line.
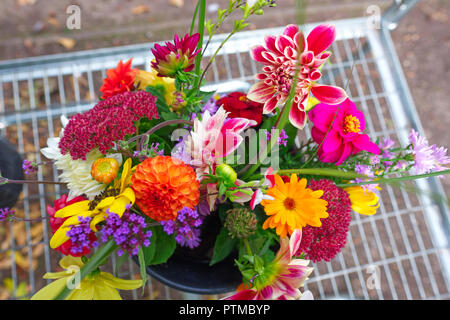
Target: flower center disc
[352, 124]
[289, 203]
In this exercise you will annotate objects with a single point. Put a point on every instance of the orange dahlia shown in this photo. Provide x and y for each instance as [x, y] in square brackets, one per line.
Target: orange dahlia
[293, 206]
[164, 185]
[118, 80]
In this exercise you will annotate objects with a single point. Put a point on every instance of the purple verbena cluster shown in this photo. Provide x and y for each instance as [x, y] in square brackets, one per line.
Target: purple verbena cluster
[186, 227]
[81, 236]
[282, 139]
[5, 213]
[29, 167]
[127, 231]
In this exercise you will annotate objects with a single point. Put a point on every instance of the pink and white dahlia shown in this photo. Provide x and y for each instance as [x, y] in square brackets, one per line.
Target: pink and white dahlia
[214, 137]
[280, 55]
[283, 277]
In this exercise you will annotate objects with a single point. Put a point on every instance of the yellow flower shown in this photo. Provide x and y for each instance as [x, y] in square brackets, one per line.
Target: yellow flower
[96, 286]
[115, 199]
[363, 201]
[145, 79]
[294, 206]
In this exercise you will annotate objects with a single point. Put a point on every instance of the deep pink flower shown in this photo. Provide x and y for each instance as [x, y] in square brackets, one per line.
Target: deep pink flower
[345, 135]
[284, 276]
[107, 123]
[176, 56]
[280, 55]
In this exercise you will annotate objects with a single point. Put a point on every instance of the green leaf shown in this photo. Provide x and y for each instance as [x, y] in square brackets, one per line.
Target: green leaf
[142, 267]
[223, 247]
[161, 248]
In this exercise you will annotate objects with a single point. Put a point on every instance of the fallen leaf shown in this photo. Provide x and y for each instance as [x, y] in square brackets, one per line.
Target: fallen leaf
[67, 43]
[23, 3]
[177, 3]
[53, 21]
[140, 9]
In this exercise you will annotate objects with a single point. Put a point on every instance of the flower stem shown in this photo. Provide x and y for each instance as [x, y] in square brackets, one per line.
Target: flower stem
[322, 172]
[201, 30]
[92, 264]
[397, 179]
[6, 180]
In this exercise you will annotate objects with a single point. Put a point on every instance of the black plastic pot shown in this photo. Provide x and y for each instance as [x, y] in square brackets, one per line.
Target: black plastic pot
[188, 270]
[11, 168]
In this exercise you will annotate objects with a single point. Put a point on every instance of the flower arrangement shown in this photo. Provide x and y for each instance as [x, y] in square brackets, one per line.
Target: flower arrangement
[157, 156]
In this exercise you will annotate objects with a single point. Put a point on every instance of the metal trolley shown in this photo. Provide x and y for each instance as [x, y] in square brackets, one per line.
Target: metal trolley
[402, 252]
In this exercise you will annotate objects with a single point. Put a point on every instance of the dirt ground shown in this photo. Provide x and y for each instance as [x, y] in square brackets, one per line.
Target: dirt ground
[422, 39]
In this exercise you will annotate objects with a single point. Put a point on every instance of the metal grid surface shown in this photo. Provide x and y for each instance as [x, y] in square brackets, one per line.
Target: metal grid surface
[405, 244]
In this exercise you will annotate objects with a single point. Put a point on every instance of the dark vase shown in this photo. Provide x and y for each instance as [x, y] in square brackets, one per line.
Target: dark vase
[188, 269]
[11, 168]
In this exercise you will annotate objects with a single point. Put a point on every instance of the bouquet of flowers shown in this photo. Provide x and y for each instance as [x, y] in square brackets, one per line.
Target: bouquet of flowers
[158, 156]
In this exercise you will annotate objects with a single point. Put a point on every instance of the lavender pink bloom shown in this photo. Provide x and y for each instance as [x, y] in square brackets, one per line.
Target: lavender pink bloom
[344, 138]
[280, 56]
[427, 158]
[5, 213]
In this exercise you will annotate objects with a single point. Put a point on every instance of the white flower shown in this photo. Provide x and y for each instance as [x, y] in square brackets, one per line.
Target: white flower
[76, 173]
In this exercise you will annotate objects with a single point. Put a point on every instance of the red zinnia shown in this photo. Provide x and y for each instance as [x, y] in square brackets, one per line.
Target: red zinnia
[55, 223]
[239, 106]
[120, 79]
[325, 242]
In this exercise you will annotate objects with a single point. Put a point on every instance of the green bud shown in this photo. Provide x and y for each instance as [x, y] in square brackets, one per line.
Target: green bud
[240, 223]
[227, 173]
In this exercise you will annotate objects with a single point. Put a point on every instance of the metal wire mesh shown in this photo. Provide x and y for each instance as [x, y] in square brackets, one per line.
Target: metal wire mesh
[403, 248]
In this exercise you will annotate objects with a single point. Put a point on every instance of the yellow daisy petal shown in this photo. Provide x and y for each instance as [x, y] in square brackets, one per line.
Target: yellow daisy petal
[118, 283]
[73, 209]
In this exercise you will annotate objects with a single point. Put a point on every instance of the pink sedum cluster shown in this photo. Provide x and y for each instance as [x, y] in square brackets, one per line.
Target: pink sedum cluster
[107, 123]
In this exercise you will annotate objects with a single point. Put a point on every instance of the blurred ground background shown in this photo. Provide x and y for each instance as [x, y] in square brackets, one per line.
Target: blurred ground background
[422, 39]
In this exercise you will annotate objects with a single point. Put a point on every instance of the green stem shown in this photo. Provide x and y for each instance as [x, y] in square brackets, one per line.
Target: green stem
[322, 172]
[201, 30]
[394, 180]
[193, 18]
[92, 264]
[247, 247]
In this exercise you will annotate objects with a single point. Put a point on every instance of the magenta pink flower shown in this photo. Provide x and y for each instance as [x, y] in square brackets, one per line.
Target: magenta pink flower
[283, 277]
[345, 124]
[280, 55]
[177, 56]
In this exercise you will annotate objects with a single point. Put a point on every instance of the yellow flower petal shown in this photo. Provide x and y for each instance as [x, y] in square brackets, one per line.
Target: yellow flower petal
[50, 291]
[73, 209]
[105, 203]
[96, 220]
[59, 237]
[129, 193]
[118, 207]
[118, 283]
[126, 175]
[69, 261]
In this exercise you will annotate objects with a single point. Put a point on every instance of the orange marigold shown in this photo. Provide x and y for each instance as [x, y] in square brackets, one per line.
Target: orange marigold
[293, 206]
[164, 185]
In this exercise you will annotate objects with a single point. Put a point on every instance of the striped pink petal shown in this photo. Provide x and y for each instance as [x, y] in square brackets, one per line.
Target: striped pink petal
[321, 38]
[328, 94]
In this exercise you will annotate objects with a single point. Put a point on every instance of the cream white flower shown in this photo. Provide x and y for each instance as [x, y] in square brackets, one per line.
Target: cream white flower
[76, 173]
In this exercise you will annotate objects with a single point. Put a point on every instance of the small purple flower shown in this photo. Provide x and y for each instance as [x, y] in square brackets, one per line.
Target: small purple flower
[385, 146]
[127, 231]
[186, 227]
[5, 213]
[80, 236]
[29, 167]
[367, 171]
[427, 158]
[282, 139]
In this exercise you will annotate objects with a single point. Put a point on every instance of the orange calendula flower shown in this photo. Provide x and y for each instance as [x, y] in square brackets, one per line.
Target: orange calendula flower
[164, 185]
[293, 206]
[105, 170]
